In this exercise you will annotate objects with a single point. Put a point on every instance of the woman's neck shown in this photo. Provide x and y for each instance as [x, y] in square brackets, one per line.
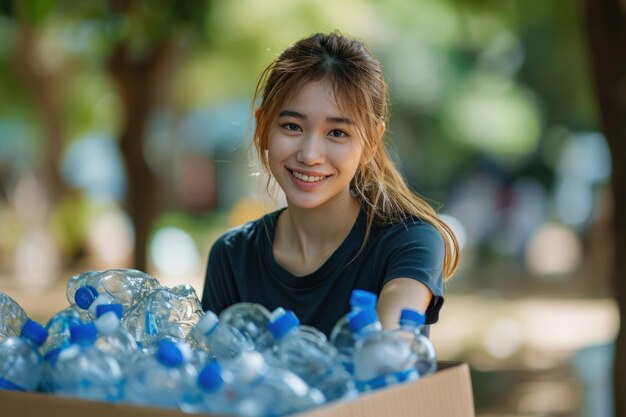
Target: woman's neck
[311, 235]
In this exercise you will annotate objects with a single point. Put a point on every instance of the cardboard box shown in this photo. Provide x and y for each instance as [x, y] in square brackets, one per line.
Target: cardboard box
[447, 393]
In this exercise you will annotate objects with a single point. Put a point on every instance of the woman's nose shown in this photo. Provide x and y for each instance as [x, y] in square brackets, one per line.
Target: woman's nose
[312, 150]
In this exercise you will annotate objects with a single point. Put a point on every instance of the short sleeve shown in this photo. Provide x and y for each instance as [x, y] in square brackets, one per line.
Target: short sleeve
[416, 250]
[219, 287]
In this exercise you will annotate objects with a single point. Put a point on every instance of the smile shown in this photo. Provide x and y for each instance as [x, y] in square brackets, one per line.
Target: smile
[307, 178]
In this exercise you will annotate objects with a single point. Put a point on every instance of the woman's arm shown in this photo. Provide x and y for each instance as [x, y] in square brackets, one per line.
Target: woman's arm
[401, 293]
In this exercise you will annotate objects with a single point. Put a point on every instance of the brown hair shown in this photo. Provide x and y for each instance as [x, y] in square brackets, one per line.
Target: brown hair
[359, 86]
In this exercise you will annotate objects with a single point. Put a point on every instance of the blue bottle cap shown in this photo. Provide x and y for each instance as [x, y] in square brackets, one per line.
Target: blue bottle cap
[84, 296]
[34, 332]
[282, 324]
[359, 320]
[412, 316]
[169, 354]
[210, 378]
[86, 332]
[363, 299]
[105, 308]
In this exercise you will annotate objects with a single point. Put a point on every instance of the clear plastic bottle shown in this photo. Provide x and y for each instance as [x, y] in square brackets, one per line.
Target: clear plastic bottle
[163, 314]
[223, 341]
[164, 379]
[381, 358]
[121, 286]
[13, 317]
[342, 336]
[252, 320]
[248, 386]
[59, 329]
[313, 359]
[82, 370]
[411, 325]
[20, 360]
[112, 337]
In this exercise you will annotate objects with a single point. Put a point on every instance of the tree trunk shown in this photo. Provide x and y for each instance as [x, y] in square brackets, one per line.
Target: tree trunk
[140, 83]
[45, 84]
[606, 32]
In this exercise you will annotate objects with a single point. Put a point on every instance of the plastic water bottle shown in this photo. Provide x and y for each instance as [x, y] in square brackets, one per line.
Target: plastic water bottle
[247, 386]
[59, 329]
[82, 370]
[164, 379]
[342, 336]
[220, 339]
[381, 358]
[112, 337]
[411, 324]
[281, 391]
[79, 280]
[164, 314]
[252, 320]
[121, 286]
[313, 359]
[13, 317]
[20, 361]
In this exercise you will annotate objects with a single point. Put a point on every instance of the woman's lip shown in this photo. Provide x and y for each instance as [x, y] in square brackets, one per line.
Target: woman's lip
[307, 185]
[309, 173]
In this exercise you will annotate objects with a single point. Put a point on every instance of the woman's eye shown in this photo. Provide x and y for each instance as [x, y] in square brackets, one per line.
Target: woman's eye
[336, 133]
[291, 127]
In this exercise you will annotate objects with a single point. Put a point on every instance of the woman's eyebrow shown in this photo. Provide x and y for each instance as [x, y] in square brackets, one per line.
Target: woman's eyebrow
[291, 113]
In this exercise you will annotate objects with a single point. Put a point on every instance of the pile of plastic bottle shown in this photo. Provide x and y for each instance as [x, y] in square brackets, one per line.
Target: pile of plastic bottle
[126, 338]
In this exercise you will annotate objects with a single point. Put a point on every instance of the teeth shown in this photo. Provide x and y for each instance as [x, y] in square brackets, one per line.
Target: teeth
[306, 178]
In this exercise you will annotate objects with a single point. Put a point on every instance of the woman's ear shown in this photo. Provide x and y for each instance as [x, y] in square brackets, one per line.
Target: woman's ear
[258, 114]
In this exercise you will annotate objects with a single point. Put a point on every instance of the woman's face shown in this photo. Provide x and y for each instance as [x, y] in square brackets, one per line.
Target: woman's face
[313, 148]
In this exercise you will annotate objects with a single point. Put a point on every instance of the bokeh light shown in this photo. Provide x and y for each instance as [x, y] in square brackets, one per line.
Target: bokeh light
[553, 250]
[174, 253]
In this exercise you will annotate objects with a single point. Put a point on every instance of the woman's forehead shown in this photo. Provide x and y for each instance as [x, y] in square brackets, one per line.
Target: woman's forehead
[312, 89]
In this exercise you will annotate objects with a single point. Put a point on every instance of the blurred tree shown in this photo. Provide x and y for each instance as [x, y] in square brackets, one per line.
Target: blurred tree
[606, 30]
[44, 79]
[143, 42]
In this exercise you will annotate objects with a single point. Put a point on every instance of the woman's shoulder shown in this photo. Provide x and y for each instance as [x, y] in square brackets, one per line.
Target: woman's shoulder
[409, 228]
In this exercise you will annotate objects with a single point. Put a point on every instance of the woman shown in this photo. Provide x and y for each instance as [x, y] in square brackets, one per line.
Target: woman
[351, 221]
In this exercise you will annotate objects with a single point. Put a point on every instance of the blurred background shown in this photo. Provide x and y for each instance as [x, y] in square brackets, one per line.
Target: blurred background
[125, 142]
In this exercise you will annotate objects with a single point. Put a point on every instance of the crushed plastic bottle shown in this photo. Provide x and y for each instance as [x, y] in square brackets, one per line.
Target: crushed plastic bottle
[164, 314]
[13, 317]
[120, 286]
[20, 360]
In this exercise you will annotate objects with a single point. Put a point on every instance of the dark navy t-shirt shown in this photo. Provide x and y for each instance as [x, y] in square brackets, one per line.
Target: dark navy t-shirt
[242, 267]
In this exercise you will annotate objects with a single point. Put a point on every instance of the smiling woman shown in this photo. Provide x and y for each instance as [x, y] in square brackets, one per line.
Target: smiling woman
[350, 221]
[311, 152]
